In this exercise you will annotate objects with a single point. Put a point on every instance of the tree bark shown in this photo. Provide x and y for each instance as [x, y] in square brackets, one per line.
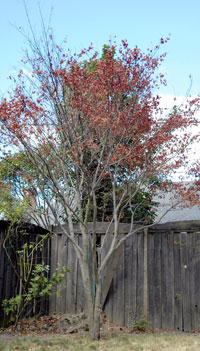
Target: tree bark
[95, 314]
[92, 289]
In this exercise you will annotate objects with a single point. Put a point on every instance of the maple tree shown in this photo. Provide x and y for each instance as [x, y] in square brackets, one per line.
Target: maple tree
[84, 123]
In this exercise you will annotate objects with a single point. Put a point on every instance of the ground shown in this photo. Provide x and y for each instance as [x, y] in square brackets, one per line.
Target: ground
[59, 324]
[70, 332]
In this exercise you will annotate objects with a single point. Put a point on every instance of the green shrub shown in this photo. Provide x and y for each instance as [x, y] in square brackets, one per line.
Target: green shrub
[141, 325]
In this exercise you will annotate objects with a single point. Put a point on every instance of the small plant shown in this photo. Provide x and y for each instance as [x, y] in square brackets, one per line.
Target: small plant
[33, 281]
[40, 286]
[141, 325]
[178, 243]
[178, 297]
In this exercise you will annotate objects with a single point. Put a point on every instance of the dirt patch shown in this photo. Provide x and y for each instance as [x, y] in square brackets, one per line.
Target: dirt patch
[58, 324]
[62, 323]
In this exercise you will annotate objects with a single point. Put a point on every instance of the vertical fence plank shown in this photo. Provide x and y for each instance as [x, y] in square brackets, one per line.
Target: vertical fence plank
[167, 282]
[54, 257]
[59, 298]
[170, 281]
[128, 281]
[157, 320]
[81, 302]
[43, 307]
[48, 262]
[62, 262]
[164, 274]
[194, 259]
[196, 287]
[71, 280]
[152, 270]
[133, 268]
[140, 276]
[185, 279]
[178, 298]
[118, 290]
[145, 278]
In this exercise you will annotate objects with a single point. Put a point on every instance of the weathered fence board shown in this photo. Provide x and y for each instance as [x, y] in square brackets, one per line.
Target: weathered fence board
[194, 280]
[178, 321]
[129, 281]
[54, 264]
[61, 260]
[80, 291]
[185, 279]
[72, 281]
[140, 277]
[153, 275]
[166, 286]
[118, 291]
[132, 265]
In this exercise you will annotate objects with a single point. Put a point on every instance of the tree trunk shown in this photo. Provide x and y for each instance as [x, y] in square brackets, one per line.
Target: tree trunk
[95, 314]
[93, 294]
[92, 287]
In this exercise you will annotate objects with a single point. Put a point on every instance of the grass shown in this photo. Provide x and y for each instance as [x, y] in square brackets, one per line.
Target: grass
[111, 342]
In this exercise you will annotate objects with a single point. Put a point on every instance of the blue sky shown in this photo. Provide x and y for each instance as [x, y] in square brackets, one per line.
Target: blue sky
[142, 23]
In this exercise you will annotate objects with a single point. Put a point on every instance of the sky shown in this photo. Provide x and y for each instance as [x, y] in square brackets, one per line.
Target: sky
[142, 23]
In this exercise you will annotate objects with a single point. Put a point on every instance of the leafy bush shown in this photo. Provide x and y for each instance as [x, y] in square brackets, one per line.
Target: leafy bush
[141, 325]
[40, 286]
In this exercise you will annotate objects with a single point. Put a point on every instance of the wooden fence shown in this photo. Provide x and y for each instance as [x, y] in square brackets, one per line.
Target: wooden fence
[9, 282]
[157, 277]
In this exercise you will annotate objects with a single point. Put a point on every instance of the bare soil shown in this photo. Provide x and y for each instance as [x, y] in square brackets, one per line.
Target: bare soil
[59, 324]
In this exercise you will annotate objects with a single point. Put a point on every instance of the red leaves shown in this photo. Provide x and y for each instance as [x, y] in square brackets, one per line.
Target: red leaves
[106, 175]
[103, 108]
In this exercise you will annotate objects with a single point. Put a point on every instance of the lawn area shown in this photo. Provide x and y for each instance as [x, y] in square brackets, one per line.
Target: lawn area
[110, 342]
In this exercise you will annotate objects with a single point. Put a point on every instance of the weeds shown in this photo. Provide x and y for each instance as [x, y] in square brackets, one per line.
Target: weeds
[141, 325]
